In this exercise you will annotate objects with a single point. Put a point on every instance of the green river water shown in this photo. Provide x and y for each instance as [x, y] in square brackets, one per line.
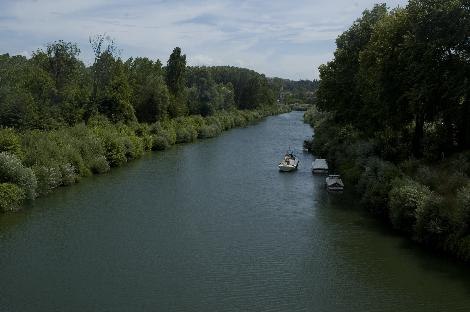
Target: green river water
[214, 226]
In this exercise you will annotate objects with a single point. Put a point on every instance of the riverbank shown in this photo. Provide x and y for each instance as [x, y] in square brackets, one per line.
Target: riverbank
[428, 201]
[34, 163]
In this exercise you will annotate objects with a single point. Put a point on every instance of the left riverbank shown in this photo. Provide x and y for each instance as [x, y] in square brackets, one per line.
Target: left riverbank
[34, 163]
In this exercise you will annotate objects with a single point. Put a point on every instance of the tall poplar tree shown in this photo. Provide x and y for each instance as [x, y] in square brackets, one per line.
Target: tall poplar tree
[175, 80]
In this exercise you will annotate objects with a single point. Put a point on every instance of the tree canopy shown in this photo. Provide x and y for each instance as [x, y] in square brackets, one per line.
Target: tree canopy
[406, 72]
[54, 88]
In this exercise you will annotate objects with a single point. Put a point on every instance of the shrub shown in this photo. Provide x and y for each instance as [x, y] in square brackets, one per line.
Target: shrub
[13, 171]
[87, 147]
[197, 122]
[133, 147]
[40, 149]
[239, 120]
[11, 196]
[68, 174]
[147, 142]
[208, 131]
[185, 134]
[99, 165]
[462, 250]
[160, 143]
[463, 206]
[406, 197]
[48, 178]
[169, 132]
[449, 183]
[434, 221]
[10, 142]
[427, 176]
[114, 148]
[375, 184]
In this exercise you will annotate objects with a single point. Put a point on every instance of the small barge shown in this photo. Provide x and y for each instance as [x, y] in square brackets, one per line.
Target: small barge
[320, 166]
[334, 183]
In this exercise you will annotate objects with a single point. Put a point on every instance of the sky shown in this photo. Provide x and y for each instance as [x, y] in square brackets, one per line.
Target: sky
[287, 39]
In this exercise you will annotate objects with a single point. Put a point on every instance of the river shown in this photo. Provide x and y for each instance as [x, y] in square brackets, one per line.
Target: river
[213, 226]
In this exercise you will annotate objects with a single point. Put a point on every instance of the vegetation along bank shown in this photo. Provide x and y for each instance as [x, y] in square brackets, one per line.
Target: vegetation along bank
[61, 120]
[393, 117]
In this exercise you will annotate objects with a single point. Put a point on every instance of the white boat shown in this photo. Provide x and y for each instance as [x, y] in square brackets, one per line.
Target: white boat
[289, 163]
[320, 166]
[334, 183]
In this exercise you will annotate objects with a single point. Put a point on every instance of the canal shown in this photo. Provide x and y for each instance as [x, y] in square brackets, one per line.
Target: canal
[213, 226]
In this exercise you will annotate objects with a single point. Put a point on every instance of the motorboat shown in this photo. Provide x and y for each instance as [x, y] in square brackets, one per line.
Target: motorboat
[320, 166]
[334, 183]
[289, 163]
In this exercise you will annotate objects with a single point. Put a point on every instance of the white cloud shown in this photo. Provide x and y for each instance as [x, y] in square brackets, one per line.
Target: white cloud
[274, 37]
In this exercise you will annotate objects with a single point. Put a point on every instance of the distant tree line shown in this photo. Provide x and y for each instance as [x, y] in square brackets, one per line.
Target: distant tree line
[297, 92]
[55, 88]
[393, 116]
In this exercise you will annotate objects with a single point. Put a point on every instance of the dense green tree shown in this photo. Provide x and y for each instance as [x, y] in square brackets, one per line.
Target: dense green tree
[111, 92]
[339, 81]
[175, 80]
[150, 96]
[205, 98]
[404, 72]
[251, 89]
[70, 79]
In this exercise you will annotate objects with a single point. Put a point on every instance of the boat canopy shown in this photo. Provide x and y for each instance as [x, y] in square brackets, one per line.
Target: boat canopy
[320, 164]
[333, 181]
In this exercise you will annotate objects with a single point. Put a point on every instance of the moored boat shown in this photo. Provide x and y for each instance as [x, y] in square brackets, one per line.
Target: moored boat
[289, 163]
[334, 183]
[320, 166]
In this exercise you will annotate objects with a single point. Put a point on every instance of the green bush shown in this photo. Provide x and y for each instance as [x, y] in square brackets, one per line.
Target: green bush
[462, 249]
[147, 142]
[13, 171]
[427, 176]
[99, 165]
[87, 144]
[40, 148]
[133, 147]
[463, 206]
[115, 151]
[160, 143]
[208, 131]
[375, 184]
[113, 144]
[406, 197]
[185, 134]
[68, 174]
[435, 220]
[449, 183]
[11, 196]
[169, 132]
[10, 142]
[48, 177]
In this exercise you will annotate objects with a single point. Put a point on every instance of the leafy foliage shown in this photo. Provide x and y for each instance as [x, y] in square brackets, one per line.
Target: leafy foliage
[12, 196]
[390, 113]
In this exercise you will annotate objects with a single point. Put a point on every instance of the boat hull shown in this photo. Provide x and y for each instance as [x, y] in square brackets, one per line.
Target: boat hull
[284, 167]
[287, 168]
[335, 189]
